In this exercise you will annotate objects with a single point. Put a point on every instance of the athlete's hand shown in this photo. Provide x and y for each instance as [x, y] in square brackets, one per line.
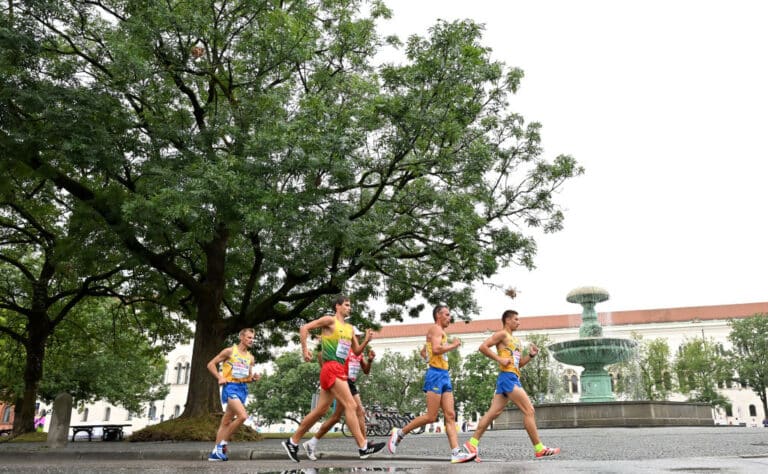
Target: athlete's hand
[505, 361]
[371, 355]
[255, 377]
[369, 334]
[533, 350]
[308, 356]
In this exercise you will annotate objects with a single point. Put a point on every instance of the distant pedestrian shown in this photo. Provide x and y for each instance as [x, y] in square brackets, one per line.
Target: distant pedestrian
[437, 387]
[237, 366]
[509, 355]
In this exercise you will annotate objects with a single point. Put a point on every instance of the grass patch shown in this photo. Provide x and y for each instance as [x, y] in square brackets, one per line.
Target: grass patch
[33, 437]
[201, 428]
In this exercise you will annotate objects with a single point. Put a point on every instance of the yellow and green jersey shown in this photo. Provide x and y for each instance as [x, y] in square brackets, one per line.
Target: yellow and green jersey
[336, 345]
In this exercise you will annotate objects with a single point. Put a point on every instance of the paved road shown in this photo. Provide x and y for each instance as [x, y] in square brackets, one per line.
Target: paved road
[621, 450]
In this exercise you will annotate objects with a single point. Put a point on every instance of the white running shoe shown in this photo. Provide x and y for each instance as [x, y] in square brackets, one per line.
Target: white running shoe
[462, 456]
[309, 448]
[394, 440]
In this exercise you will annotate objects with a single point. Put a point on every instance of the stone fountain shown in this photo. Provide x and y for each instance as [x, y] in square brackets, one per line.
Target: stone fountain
[592, 351]
[598, 406]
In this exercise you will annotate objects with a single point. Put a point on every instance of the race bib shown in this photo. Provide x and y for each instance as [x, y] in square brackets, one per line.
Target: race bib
[342, 349]
[240, 370]
[353, 368]
[516, 356]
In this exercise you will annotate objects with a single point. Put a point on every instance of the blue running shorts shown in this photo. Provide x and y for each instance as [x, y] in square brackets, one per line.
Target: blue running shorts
[234, 390]
[437, 381]
[506, 382]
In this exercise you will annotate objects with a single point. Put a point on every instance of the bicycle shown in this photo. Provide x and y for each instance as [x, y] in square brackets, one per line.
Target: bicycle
[375, 425]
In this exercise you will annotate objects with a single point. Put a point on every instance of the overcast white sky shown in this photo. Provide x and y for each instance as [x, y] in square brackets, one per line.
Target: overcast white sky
[665, 103]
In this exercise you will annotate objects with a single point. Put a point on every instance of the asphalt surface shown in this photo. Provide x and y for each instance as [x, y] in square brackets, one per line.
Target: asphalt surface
[621, 450]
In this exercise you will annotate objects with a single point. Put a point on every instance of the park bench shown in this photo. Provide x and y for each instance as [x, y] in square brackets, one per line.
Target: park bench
[109, 432]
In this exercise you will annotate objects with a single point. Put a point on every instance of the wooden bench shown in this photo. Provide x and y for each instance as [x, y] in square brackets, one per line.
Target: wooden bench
[109, 432]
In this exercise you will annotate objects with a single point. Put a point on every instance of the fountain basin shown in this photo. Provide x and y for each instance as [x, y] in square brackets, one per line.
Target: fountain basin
[600, 351]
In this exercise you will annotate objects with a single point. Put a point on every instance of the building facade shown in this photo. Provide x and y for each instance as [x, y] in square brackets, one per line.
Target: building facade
[675, 325]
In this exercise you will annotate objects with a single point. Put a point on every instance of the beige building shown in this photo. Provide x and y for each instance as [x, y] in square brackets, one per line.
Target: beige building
[673, 324]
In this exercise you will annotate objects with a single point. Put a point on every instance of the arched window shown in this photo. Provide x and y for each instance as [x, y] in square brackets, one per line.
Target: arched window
[107, 413]
[176, 411]
[728, 410]
[179, 374]
[152, 411]
[85, 415]
[752, 410]
[574, 384]
[186, 373]
[7, 414]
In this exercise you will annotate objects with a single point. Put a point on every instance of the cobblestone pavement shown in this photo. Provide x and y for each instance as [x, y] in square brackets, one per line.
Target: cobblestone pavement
[678, 449]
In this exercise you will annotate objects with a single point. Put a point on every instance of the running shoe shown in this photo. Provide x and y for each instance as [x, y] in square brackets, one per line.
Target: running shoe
[472, 450]
[310, 450]
[370, 449]
[217, 456]
[291, 449]
[547, 452]
[462, 456]
[394, 440]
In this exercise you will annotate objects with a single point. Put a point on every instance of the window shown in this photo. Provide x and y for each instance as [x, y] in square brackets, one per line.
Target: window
[179, 376]
[107, 413]
[129, 417]
[752, 410]
[728, 410]
[7, 414]
[152, 411]
[176, 411]
[186, 373]
[85, 415]
[574, 384]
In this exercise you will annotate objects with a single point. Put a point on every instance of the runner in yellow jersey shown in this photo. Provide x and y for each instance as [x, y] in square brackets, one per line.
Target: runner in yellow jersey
[510, 357]
[237, 363]
[437, 386]
[337, 339]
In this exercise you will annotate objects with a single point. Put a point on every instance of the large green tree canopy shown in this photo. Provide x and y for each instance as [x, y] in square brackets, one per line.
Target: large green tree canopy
[254, 153]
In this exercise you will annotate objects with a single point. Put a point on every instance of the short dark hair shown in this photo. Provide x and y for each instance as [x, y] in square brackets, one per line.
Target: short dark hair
[339, 300]
[507, 314]
[437, 310]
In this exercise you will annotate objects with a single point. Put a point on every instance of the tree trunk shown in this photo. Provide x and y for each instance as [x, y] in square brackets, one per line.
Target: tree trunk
[210, 331]
[203, 393]
[24, 422]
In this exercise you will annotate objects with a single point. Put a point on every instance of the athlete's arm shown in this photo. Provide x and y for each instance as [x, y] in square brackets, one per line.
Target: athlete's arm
[435, 336]
[486, 348]
[532, 351]
[366, 362]
[322, 322]
[357, 347]
[213, 365]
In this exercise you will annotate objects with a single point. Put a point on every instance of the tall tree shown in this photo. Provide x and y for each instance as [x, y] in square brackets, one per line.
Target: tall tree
[97, 353]
[252, 153]
[43, 276]
[749, 337]
[700, 366]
